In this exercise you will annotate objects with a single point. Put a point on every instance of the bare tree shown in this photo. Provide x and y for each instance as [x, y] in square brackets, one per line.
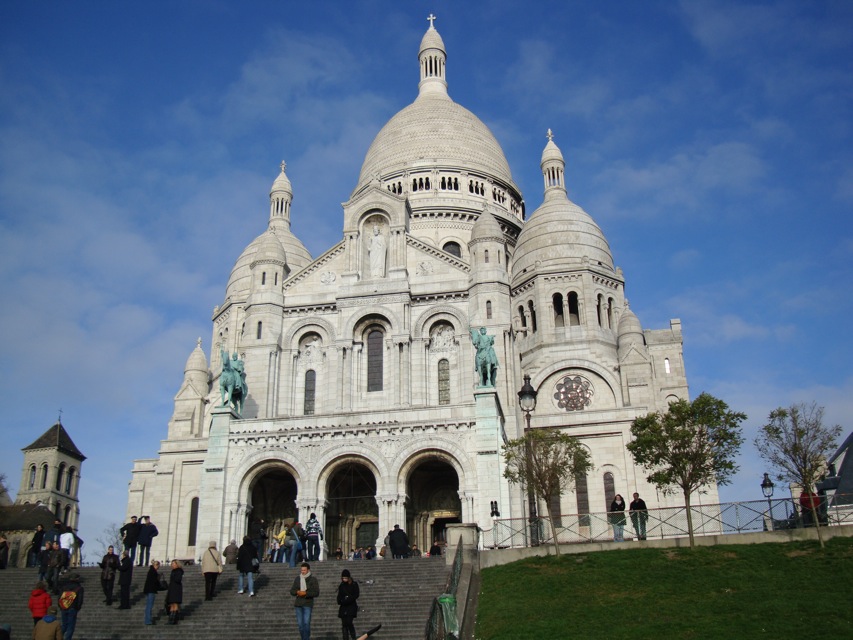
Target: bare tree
[688, 447]
[110, 537]
[5, 498]
[797, 444]
[548, 461]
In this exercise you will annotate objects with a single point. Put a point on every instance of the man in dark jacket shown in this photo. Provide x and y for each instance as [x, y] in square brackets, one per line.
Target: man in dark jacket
[245, 554]
[125, 577]
[152, 586]
[639, 515]
[36, 546]
[130, 536]
[399, 543]
[54, 566]
[109, 565]
[70, 603]
[305, 589]
[147, 533]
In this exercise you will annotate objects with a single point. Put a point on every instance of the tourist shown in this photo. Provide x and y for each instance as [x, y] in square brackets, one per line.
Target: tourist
[175, 593]
[281, 539]
[415, 552]
[275, 548]
[70, 603]
[48, 628]
[36, 546]
[639, 516]
[109, 565]
[211, 567]
[230, 552]
[40, 602]
[54, 567]
[147, 532]
[125, 577]
[257, 533]
[314, 534]
[399, 543]
[435, 549]
[617, 518]
[43, 560]
[305, 588]
[245, 566]
[339, 554]
[294, 543]
[153, 584]
[54, 532]
[66, 543]
[347, 604]
[371, 553]
[130, 536]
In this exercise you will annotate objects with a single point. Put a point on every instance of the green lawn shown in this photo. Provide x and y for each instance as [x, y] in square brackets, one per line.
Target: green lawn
[729, 592]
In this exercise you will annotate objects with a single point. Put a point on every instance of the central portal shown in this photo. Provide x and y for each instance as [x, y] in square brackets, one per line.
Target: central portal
[352, 517]
[274, 499]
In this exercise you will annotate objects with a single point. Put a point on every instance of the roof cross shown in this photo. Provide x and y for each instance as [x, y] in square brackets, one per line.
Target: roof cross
[550, 135]
[59, 419]
[431, 19]
[283, 166]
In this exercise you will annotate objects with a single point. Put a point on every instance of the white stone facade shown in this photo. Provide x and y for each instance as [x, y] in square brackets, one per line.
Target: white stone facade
[363, 404]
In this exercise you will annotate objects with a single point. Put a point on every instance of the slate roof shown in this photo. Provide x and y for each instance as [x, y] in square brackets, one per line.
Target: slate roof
[25, 517]
[57, 438]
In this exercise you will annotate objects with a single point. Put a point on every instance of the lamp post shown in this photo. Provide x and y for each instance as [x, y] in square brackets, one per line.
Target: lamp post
[767, 489]
[527, 401]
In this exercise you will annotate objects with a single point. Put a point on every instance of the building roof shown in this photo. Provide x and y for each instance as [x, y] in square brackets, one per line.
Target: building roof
[56, 438]
[25, 517]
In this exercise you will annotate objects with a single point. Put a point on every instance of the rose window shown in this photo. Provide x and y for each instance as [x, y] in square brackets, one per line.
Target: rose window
[573, 393]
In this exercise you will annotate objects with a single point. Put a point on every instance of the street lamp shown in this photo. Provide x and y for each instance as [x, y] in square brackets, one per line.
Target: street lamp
[527, 401]
[767, 489]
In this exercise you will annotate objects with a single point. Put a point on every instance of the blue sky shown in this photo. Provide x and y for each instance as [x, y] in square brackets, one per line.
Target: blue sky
[711, 141]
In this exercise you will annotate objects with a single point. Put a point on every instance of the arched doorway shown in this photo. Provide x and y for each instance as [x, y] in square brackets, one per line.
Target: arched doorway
[273, 498]
[432, 502]
[352, 515]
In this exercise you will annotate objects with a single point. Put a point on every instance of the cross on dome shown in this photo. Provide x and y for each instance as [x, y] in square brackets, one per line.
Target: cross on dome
[431, 19]
[550, 135]
[283, 166]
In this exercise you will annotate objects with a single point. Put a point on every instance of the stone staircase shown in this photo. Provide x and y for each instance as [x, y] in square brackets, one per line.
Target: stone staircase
[397, 593]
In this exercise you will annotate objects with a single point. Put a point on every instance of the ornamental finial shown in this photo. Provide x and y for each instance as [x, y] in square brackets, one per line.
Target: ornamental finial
[283, 166]
[431, 19]
[550, 136]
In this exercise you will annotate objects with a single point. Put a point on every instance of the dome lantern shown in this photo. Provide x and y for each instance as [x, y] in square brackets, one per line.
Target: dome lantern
[281, 195]
[432, 57]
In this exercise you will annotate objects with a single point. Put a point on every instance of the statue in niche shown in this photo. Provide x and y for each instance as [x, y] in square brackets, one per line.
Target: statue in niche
[232, 381]
[486, 361]
[377, 249]
[311, 351]
[442, 338]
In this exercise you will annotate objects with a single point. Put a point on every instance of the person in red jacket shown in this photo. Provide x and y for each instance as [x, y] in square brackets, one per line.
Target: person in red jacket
[40, 600]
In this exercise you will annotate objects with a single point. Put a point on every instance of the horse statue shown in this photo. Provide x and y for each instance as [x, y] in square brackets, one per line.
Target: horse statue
[486, 362]
[232, 382]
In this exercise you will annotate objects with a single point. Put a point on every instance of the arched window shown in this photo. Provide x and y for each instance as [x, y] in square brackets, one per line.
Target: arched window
[557, 301]
[609, 313]
[582, 493]
[609, 490]
[260, 329]
[67, 514]
[486, 256]
[532, 316]
[69, 478]
[443, 382]
[374, 360]
[310, 392]
[193, 522]
[574, 310]
[522, 316]
[666, 365]
[57, 512]
[488, 309]
[453, 248]
[59, 473]
[264, 277]
[32, 482]
[44, 476]
[600, 310]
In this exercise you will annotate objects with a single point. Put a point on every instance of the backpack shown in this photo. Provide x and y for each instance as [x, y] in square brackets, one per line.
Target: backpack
[67, 599]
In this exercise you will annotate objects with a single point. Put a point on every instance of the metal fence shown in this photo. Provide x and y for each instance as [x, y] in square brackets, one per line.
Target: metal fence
[671, 522]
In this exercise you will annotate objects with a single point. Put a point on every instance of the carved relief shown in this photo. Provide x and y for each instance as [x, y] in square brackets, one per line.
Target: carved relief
[425, 268]
[328, 277]
[442, 338]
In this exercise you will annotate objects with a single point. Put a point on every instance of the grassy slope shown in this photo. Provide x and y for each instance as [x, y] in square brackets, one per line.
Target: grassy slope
[746, 591]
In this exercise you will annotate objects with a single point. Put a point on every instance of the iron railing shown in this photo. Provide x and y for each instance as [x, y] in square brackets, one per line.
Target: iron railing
[671, 522]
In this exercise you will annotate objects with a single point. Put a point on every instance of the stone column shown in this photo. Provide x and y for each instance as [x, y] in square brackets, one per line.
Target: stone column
[211, 507]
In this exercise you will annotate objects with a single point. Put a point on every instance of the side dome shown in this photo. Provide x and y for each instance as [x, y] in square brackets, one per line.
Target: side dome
[240, 281]
[630, 330]
[559, 234]
[486, 228]
[270, 250]
[197, 360]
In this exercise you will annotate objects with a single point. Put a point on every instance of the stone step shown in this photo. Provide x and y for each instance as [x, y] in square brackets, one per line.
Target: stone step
[397, 593]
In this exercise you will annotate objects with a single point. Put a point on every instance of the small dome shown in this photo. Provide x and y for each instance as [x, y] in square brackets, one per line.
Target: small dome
[197, 360]
[486, 228]
[270, 250]
[432, 40]
[240, 281]
[551, 152]
[630, 330]
[281, 183]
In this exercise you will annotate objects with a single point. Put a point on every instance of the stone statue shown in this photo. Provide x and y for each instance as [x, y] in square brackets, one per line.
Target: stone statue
[232, 382]
[377, 250]
[486, 362]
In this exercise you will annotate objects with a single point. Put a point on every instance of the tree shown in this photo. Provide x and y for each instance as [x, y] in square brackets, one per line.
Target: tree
[796, 442]
[111, 537]
[690, 446]
[548, 461]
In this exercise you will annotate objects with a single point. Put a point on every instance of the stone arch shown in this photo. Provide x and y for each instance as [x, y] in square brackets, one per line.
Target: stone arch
[380, 314]
[256, 464]
[371, 458]
[320, 325]
[441, 312]
[606, 375]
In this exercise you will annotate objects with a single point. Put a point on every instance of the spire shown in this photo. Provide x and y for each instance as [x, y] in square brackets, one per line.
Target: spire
[432, 57]
[553, 169]
[281, 195]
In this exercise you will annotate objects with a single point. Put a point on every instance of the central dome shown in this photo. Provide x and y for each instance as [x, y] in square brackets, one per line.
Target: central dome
[434, 130]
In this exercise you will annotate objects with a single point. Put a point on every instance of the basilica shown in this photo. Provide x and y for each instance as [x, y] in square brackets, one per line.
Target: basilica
[361, 399]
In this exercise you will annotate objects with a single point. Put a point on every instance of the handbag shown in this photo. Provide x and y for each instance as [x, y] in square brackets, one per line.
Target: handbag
[256, 565]
[218, 564]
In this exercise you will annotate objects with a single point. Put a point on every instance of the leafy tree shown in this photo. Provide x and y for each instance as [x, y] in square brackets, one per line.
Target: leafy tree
[690, 446]
[796, 442]
[548, 461]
